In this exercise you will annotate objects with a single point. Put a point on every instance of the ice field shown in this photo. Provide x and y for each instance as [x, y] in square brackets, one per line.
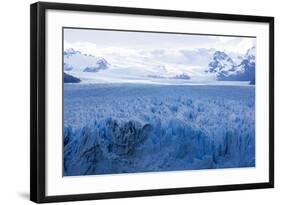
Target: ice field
[128, 128]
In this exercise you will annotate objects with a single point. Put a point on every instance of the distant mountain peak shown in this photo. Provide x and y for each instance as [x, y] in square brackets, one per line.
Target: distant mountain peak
[71, 51]
[100, 64]
[220, 55]
[74, 60]
[251, 51]
[182, 76]
[220, 62]
[251, 54]
[226, 69]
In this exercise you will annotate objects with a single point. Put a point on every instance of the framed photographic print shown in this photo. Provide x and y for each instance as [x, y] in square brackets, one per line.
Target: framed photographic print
[129, 102]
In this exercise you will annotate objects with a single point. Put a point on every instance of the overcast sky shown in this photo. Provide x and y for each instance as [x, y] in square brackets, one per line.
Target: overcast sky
[89, 41]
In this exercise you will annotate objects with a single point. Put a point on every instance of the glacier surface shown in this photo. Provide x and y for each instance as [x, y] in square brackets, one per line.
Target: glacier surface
[129, 128]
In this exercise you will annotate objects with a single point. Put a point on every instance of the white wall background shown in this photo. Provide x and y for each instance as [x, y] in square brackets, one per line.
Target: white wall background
[14, 100]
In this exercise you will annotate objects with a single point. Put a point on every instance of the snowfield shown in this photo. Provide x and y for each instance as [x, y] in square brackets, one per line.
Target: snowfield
[129, 128]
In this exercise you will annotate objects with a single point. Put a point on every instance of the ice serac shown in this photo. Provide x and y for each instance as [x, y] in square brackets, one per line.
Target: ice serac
[76, 61]
[141, 128]
[122, 147]
[223, 66]
[70, 79]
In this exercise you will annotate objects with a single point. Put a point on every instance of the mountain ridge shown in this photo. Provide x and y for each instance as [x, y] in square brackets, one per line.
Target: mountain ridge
[225, 69]
[76, 61]
[222, 66]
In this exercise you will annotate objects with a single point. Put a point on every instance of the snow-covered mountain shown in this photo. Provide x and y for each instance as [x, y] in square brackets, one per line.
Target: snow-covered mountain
[221, 63]
[248, 65]
[100, 64]
[92, 69]
[144, 68]
[76, 61]
[226, 69]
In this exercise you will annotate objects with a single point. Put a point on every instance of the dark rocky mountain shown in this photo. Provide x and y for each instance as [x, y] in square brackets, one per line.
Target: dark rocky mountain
[70, 79]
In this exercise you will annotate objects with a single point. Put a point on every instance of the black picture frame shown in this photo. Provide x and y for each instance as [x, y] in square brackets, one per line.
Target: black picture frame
[38, 101]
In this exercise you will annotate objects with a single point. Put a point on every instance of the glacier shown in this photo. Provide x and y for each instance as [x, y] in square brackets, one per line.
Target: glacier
[131, 128]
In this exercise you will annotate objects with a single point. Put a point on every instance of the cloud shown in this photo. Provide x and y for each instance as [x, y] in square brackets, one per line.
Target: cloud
[235, 44]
